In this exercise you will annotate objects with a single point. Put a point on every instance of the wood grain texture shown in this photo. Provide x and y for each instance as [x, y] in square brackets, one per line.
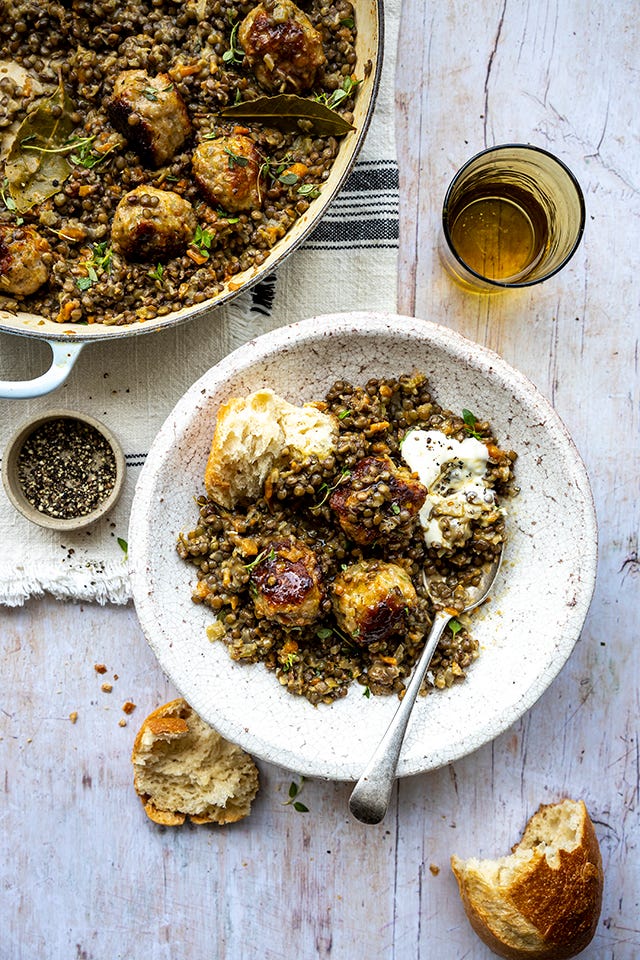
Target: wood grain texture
[85, 876]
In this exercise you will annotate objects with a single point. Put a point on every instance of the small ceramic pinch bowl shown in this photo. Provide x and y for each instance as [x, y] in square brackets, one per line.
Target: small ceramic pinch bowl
[87, 501]
[525, 633]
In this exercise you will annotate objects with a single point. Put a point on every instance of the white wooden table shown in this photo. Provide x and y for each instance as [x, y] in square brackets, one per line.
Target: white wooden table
[85, 875]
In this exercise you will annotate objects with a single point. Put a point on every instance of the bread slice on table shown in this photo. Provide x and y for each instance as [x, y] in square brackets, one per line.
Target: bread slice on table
[183, 768]
[543, 902]
[252, 433]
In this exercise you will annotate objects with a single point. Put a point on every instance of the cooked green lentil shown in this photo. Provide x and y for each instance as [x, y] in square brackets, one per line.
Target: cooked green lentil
[87, 45]
[233, 551]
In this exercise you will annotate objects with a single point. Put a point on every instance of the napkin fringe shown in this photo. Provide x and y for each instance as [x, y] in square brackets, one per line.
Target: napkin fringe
[95, 581]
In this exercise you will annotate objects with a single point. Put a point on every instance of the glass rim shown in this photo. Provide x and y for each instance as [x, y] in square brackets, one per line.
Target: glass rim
[505, 284]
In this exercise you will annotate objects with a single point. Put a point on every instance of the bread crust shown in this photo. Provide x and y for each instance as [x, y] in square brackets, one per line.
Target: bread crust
[545, 911]
[171, 722]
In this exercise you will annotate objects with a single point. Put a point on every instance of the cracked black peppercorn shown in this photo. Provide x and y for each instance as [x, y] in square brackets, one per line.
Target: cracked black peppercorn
[66, 468]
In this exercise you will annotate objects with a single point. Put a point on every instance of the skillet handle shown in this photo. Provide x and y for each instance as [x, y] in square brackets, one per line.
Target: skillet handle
[65, 355]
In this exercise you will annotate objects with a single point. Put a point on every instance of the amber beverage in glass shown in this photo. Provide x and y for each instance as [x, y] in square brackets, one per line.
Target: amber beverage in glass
[512, 216]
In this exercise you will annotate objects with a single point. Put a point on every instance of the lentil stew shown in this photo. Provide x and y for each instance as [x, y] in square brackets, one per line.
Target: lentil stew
[148, 201]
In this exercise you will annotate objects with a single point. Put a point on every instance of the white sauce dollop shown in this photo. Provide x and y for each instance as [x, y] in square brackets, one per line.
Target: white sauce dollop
[453, 472]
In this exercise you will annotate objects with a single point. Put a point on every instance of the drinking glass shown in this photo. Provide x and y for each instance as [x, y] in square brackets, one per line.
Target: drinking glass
[512, 216]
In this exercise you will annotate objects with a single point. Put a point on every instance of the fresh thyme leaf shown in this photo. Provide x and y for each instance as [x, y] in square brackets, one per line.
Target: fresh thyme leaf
[124, 546]
[83, 283]
[293, 789]
[309, 190]
[395, 508]
[157, 273]
[289, 662]
[366, 692]
[344, 414]
[300, 807]
[347, 22]
[470, 421]
[202, 239]
[323, 633]
[234, 159]
[288, 179]
[455, 626]
[150, 93]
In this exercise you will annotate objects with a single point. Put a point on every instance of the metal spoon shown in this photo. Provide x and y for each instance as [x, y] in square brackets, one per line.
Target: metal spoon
[369, 799]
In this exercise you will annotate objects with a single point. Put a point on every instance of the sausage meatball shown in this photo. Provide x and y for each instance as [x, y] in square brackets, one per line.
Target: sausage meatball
[377, 499]
[226, 170]
[282, 46]
[370, 600]
[23, 260]
[287, 582]
[150, 113]
[151, 224]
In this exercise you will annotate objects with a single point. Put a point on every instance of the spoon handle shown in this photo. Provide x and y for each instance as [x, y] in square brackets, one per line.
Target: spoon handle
[370, 796]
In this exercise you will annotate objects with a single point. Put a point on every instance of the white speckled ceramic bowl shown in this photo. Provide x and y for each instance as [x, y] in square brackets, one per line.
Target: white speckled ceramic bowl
[526, 632]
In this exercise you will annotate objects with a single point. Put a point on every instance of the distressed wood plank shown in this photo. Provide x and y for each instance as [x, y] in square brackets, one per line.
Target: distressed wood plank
[85, 875]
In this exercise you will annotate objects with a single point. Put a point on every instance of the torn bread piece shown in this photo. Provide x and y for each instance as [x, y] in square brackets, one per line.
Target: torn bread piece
[183, 768]
[543, 902]
[251, 435]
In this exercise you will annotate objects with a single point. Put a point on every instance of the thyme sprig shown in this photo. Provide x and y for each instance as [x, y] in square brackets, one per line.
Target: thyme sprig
[235, 54]
[470, 421]
[294, 791]
[336, 97]
[263, 555]
[79, 149]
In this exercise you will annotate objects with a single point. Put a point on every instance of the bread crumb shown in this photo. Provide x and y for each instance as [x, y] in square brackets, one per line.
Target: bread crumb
[122, 722]
[116, 677]
[129, 706]
[100, 667]
[73, 716]
[107, 687]
[434, 868]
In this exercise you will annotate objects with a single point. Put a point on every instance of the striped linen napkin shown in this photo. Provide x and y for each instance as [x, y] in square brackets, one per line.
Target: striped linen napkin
[348, 263]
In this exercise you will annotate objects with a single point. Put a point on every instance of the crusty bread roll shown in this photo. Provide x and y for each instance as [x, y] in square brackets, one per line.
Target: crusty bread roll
[182, 767]
[250, 436]
[542, 902]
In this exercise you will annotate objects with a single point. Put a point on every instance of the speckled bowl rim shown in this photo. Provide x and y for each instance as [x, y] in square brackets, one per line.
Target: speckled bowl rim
[272, 725]
[13, 487]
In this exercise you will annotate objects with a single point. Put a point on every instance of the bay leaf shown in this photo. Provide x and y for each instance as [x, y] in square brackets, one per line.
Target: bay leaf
[287, 108]
[37, 164]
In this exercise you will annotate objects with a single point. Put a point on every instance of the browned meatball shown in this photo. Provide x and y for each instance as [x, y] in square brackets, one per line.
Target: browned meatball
[23, 266]
[150, 113]
[377, 499]
[282, 46]
[370, 600]
[288, 584]
[151, 224]
[226, 170]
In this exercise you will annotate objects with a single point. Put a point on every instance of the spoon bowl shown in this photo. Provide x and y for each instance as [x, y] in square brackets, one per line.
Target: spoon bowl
[369, 799]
